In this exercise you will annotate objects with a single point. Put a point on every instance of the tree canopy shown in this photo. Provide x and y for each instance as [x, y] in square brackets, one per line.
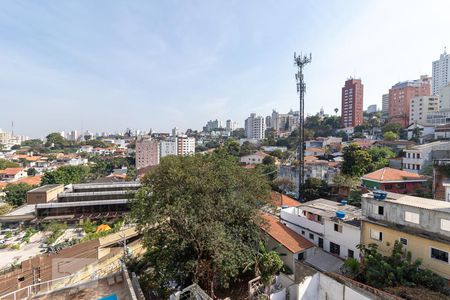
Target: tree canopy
[315, 188]
[356, 161]
[206, 208]
[15, 194]
[7, 164]
[66, 175]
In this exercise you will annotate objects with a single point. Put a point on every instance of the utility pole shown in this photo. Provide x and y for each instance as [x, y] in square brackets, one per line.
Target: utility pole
[300, 61]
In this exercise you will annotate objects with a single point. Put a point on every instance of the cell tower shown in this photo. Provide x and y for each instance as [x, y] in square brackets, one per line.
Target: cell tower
[300, 61]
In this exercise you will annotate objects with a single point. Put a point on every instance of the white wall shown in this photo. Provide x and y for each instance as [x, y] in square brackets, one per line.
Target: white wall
[349, 238]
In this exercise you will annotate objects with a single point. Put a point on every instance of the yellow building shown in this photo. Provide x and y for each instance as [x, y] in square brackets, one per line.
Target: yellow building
[421, 225]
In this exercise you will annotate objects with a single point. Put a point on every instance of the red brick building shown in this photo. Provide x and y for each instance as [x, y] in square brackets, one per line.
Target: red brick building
[352, 103]
[400, 97]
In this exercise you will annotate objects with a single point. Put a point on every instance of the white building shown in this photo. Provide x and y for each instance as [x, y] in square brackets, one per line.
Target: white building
[385, 104]
[419, 107]
[441, 73]
[426, 131]
[445, 98]
[185, 145]
[441, 117]
[168, 147]
[418, 157]
[147, 152]
[231, 125]
[332, 226]
[372, 109]
[255, 127]
[253, 159]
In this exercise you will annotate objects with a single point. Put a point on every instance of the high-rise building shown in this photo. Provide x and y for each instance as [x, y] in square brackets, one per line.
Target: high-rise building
[168, 147]
[185, 145]
[385, 104]
[419, 108]
[231, 125]
[444, 101]
[147, 152]
[255, 127]
[372, 109]
[283, 122]
[352, 103]
[400, 96]
[441, 73]
[268, 122]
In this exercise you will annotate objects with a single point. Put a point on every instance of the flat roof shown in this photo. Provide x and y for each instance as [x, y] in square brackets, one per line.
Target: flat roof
[78, 194]
[328, 208]
[105, 185]
[414, 201]
[45, 188]
[81, 203]
[23, 210]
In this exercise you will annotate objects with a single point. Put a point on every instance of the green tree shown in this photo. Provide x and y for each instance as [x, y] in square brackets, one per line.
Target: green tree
[7, 164]
[380, 157]
[34, 144]
[315, 188]
[56, 140]
[283, 184]
[268, 265]
[31, 172]
[356, 161]
[247, 148]
[66, 175]
[416, 134]
[15, 194]
[238, 133]
[232, 147]
[393, 127]
[206, 208]
[390, 136]
[269, 160]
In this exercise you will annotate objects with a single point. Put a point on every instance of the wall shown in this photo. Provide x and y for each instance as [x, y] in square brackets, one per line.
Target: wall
[349, 238]
[287, 258]
[293, 215]
[418, 246]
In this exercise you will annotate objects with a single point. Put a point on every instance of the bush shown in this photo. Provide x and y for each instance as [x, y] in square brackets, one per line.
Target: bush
[15, 246]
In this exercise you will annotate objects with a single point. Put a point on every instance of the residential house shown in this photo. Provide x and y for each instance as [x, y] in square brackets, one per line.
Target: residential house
[393, 180]
[332, 226]
[12, 174]
[286, 241]
[417, 158]
[426, 131]
[422, 225]
[314, 151]
[442, 132]
[253, 159]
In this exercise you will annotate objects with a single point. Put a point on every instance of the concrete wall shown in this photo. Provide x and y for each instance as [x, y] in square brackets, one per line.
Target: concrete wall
[44, 196]
[418, 246]
[349, 238]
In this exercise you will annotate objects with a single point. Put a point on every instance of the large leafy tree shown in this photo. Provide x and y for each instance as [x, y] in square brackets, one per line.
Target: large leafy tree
[7, 164]
[56, 140]
[314, 188]
[15, 194]
[380, 157]
[356, 161]
[199, 216]
[66, 175]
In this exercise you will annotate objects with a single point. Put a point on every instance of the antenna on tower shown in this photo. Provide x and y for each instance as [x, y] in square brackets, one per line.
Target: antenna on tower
[12, 128]
[300, 61]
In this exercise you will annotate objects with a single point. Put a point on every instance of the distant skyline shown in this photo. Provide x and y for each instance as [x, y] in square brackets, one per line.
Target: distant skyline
[107, 65]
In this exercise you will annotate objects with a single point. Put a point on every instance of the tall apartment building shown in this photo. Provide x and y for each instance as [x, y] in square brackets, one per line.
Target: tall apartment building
[444, 98]
[372, 109]
[400, 96]
[231, 125]
[419, 107]
[185, 145]
[255, 127]
[418, 157]
[147, 152]
[441, 73]
[385, 104]
[421, 225]
[283, 122]
[168, 147]
[352, 103]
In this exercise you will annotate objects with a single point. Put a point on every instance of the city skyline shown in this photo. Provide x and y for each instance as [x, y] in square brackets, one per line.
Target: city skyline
[159, 65]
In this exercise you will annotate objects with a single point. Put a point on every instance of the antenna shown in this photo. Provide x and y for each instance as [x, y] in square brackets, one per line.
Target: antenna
[300, 61]
[12, 128]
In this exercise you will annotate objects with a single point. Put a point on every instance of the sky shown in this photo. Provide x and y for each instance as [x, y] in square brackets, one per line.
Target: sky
[107, 65]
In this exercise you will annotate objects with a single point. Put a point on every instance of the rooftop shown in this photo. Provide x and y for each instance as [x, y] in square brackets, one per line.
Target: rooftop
[279, 200]
[291, 240]
[393, 175]
[11, 171]
[328, 208]
[45, 188]
[413, 201]
[428, 145]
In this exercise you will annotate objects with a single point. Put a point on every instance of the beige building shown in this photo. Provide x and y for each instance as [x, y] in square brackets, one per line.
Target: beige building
[422, 225]
[44, 193]
[419, 107]
[147, 152]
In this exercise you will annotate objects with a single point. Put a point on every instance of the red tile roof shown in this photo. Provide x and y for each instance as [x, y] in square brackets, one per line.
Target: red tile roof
[291, 240]
[11, 171]
[279, 199]
[389, 174]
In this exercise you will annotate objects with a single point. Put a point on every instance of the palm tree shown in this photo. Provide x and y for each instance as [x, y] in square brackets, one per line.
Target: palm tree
[336, 110]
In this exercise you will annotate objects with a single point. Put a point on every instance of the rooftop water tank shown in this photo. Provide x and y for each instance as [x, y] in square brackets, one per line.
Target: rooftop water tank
[344, 202]
[340, 214]
[379, 195]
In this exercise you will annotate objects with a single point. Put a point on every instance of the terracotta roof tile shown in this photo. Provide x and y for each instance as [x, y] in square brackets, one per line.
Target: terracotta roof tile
[279, 199]
[285, 236]
[11, 171]
[390, 174]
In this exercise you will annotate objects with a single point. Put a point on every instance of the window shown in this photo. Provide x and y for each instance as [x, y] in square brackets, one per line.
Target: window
[335, 248]
[351, 254]
[381, 210]
[403, 241]
[319, 219]
[376, 235]
[303, 232]
[439, 254]
[412, 217]
[311, 236]
[445, 224]
[337, 227]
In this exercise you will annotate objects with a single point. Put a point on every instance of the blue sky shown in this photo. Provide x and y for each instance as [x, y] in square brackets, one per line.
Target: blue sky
[108, 65]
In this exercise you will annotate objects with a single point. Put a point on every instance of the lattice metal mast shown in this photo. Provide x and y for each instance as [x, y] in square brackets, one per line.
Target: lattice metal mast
[300, 61]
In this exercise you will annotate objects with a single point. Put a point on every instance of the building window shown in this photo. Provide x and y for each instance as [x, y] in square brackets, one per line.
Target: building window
[439, 254]
[412, 217]
[445, 224]
[381, 210]
[303, 232]
[311, 236]
[335, 248]
[337, 227]
[404, 241]
[376, 235]
[351, 254]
